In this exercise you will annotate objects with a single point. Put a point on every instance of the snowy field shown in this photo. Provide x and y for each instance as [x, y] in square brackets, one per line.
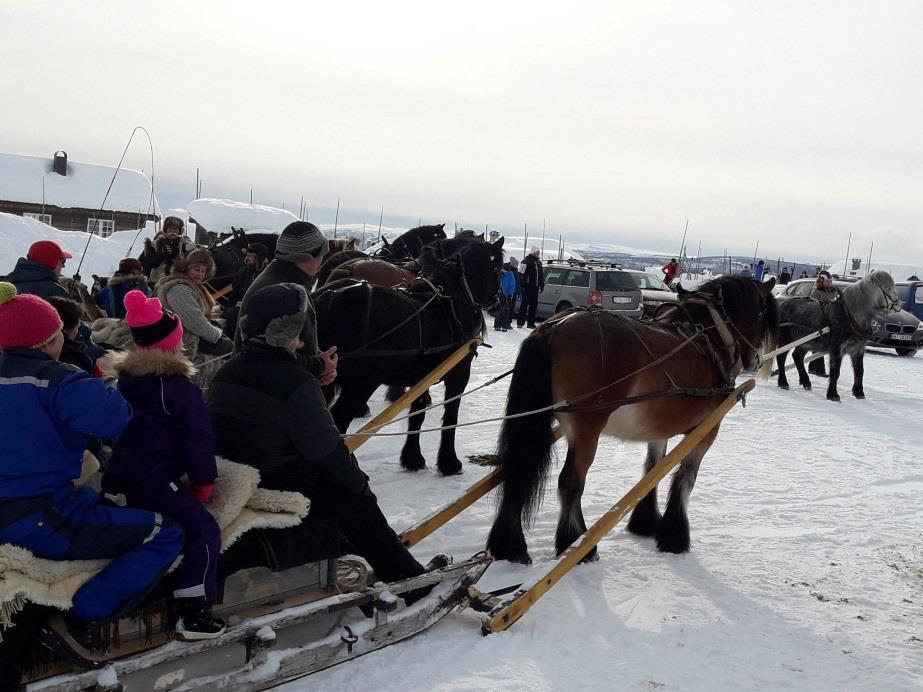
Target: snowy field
[806, 569]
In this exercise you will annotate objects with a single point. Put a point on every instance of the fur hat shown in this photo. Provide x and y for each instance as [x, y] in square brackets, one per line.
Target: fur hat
[276, 314]
[514, 262]
[26, 321]
[151, 326]
[260, 251]
[130, 265]
[47, 253]
[535, 251]
[301, 241]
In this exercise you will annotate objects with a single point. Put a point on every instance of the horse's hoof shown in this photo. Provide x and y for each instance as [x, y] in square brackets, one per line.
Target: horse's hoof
[783, 385]
[807, 386]
[859, 395]
[592, 556]
[833, 397]
[415, 463]
[672, 542]
[521, 558]
[644, 525]
[450, 469]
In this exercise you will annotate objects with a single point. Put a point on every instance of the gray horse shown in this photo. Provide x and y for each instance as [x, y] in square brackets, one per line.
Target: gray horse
[850, 320]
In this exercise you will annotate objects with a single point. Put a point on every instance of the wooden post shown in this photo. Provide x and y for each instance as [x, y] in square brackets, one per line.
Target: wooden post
[356, 440]
[475, 492]
[221, 293]
[501, 618]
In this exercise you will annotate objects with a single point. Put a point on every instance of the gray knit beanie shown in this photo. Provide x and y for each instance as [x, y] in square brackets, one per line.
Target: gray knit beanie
[301, 241]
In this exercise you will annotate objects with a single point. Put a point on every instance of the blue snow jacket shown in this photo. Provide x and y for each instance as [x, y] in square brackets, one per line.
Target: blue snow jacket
[49, 409]
[508, 282]
[37, 279]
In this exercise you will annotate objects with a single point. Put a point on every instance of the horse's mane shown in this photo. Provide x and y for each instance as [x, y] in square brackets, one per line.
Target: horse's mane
[736, 293]
[863, 297]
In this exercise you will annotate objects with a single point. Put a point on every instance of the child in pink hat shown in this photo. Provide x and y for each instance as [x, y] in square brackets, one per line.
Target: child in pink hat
[169, 437]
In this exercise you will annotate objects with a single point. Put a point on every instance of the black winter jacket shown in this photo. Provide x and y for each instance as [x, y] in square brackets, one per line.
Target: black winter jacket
[278, 272]
[266, 411]
[532, 274]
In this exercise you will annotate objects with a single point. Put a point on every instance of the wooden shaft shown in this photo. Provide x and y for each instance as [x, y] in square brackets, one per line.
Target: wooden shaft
[221, 293]
[353, 442]
[526, 597]
[794, 344]
[475, 492]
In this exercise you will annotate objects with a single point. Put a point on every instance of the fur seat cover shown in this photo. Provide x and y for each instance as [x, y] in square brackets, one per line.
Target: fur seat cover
[238, 505]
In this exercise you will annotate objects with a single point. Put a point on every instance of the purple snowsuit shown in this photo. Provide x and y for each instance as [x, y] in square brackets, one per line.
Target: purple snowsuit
[170, 435]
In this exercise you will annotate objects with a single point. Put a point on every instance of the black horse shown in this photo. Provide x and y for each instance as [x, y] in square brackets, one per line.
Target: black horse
[228, 253]
[409, 244]
[396, 336]
[849, 318]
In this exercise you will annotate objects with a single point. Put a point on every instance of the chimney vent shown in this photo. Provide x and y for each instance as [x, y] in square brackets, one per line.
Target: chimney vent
[60, 162]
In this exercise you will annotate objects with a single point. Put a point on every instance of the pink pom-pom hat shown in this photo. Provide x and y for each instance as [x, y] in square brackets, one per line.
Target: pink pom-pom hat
[152, 327]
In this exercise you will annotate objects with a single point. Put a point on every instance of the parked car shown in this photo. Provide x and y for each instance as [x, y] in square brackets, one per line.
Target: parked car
[574, 283]
[654, 292]
[902, 331]
[911, 295]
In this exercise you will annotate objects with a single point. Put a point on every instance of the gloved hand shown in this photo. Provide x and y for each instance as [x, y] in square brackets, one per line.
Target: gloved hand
[203, 493]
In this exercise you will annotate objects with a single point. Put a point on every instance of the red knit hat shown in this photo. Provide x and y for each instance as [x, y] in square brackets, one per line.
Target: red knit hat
[152, 327]
[47, 252]
[26, 321]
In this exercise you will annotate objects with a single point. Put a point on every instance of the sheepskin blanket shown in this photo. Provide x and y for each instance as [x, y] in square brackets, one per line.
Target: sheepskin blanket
[238, 505]
[112, 332]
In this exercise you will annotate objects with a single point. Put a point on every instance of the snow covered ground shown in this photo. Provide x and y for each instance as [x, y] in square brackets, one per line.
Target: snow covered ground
[806, 569]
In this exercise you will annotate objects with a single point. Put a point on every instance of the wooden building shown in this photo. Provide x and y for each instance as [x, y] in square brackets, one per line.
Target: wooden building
[69, 195]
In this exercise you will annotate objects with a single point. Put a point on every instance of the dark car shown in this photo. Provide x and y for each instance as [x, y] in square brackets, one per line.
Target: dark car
[902, 331]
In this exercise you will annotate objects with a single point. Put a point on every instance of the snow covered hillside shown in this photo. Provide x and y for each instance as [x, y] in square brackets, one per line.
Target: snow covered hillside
[806, 569]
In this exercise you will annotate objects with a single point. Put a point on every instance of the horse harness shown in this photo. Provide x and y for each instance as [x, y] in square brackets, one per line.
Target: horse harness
[696, 335]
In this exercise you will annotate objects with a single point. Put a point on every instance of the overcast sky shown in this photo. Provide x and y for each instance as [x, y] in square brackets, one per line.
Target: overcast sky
[790, 124]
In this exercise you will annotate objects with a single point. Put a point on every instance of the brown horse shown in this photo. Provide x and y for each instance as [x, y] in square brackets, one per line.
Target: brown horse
[376, 272]
[336, 245]
[640, 381]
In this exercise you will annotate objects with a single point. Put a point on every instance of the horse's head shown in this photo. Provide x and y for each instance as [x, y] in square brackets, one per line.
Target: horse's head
[888, 300]
[749, 311]
[477, 263]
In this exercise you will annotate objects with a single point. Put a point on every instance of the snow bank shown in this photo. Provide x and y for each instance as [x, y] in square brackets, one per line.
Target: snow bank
[84, 186]
[513, 246]
[17, 233]
[220, 215]
[900, 272]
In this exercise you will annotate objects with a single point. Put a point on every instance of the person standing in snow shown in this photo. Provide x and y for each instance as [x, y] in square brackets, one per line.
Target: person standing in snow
[759, 270]
[785, 276]
[746, 272]
[670, 271]
[169, 436]
[184, 293]
[299, 254]
[504, 319]
[38, 272]
[533, 283]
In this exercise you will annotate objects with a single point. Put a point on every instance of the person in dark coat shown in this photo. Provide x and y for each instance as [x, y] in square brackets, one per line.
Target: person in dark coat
[128, 277]
[74, 352]
[49, 411]
[785, 276]
[254, 263]
[38, 272]
[670, 270]
[533, 283]
[299, 253]
[504, 319]
[269, 412]
[169, 436]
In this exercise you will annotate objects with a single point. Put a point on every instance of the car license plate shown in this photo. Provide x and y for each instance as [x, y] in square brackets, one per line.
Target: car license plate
[902, 337]
[621, 299]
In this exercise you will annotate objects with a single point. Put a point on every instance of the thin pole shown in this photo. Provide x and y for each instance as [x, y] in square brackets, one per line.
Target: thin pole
[560, 247]
[682, 245]
[197, 182]
[336, 219]
[525, 239]
[846, 264]
[251, 195]
[380, 217]
[755, 251]
[868, 267]
[43, 194]
[543, 238]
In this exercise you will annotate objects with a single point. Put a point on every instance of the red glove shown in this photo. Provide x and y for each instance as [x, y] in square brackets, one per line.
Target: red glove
[203, 493]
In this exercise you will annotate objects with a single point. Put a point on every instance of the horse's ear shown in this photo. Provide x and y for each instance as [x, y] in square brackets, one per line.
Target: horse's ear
[766, 286]
[499, 244]
[480, 236]
[442, 226]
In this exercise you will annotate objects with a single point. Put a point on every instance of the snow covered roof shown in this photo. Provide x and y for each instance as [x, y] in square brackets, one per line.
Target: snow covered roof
[219, 215]
[83, 187]
[899, 272]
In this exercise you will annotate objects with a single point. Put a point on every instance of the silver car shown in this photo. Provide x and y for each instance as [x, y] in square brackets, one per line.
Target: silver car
[580, 284]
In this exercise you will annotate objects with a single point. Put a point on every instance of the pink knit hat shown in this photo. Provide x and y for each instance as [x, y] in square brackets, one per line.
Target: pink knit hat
[26, 321]
[152, 327]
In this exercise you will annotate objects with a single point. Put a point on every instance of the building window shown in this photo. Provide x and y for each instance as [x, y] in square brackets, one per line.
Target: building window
[44, 218]
[103, 227]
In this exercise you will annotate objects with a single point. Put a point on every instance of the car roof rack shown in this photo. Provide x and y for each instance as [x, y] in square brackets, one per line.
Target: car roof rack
[589, 264]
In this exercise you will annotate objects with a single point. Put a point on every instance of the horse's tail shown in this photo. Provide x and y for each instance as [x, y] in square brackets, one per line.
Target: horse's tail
[524, 447]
